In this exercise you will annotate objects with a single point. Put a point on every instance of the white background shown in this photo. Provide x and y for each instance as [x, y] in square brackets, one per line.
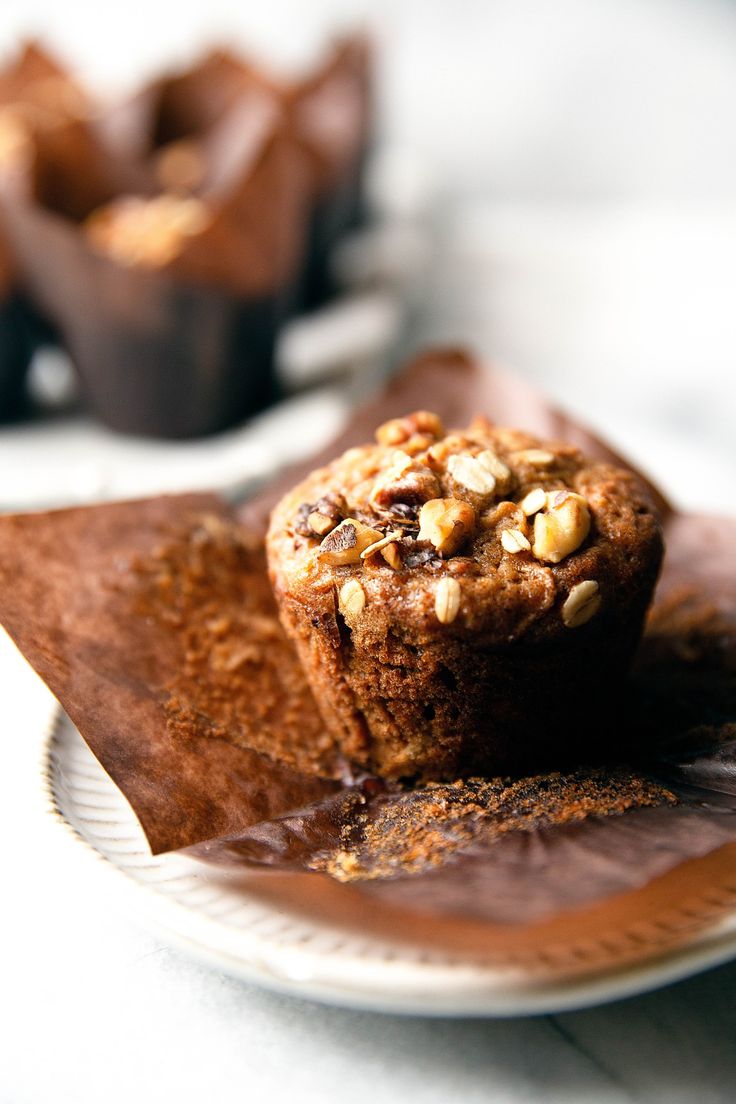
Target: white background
[585, 163]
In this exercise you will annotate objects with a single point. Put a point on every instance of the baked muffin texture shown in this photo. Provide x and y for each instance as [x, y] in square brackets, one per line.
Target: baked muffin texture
[460, 600]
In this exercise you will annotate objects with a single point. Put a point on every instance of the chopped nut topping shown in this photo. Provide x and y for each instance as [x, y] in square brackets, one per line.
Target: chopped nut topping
[471, 473]
[555, 499]
[533, 502]
[406, 482]
[538, 458]
[582, 603]
[562, 529]
[351, 600]
[437, 455]
[446, 523]
[422, 423]
[403, 513]
[345, 543]
[513, 540]
[392, 556]
[418, 443]
[379, 545]
[427, 422]
[320, 524]
[401, 430]
[316, 519]
[447, 600]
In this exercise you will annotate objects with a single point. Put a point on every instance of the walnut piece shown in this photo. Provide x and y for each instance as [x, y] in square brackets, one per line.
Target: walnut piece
[562, 528]
[392, 556]
[320, 524]
[382, 544]
[345, 543]
[446, 523]
[406, 481]
[422, 423]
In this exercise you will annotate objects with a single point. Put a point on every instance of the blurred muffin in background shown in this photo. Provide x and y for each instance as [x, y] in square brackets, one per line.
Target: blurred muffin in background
[328, 113]
[168, 304]
[164, 243]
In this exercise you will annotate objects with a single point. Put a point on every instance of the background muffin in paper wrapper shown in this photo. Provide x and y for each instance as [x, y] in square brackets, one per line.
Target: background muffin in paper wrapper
[186, 347]
[328, 113]
[154, 625]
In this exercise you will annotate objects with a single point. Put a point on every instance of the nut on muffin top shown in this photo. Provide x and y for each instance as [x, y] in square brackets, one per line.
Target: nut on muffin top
[486, 531]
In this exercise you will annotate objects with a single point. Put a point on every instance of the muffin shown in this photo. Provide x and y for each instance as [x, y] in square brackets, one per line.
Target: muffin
[168, 303]
[464, 602]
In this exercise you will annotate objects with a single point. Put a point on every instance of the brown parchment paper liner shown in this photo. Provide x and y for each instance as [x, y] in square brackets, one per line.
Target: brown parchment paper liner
[117, 605]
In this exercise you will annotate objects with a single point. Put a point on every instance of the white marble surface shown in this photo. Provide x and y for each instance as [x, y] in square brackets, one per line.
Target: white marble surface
[587, 238]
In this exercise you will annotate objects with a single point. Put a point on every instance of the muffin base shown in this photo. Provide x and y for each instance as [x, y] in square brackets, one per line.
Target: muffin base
[442, 709]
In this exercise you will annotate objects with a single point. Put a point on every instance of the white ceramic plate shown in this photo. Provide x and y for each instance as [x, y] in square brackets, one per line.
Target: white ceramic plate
[243, 935]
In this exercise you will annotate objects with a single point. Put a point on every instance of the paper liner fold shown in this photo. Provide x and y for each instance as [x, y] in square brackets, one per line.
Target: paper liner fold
[75, 594]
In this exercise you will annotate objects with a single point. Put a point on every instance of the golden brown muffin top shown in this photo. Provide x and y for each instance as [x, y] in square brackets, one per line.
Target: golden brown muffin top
[488, 530]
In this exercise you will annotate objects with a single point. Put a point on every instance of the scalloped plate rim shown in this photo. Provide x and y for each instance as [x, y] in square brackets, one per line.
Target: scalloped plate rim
[385, 985]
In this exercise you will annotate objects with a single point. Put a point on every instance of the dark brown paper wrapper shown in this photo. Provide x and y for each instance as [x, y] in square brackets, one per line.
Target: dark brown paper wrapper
[545, 874]
[154, 356]
[15, 356]
[15, 343]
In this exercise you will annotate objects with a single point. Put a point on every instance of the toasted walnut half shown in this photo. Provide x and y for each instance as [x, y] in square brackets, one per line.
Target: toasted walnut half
[562, 528]
[345, 543]
[446, 523]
